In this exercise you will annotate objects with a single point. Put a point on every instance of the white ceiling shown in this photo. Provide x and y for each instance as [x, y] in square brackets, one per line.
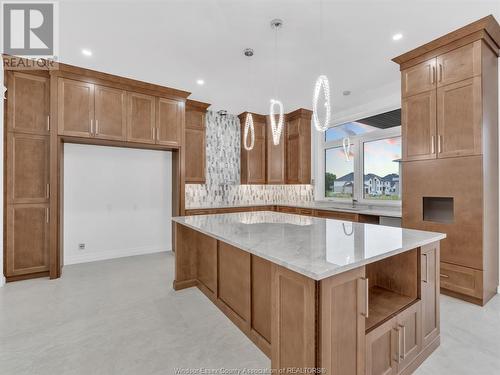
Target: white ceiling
[173, 43]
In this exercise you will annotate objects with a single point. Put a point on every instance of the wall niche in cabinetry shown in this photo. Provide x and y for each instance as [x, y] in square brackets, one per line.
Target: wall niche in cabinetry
[195, 153]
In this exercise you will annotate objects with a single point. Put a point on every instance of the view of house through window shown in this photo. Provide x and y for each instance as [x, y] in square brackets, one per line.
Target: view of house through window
[382, 169]
[372, 170]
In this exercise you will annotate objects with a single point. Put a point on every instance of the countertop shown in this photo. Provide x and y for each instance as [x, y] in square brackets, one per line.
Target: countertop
[314, 247]
[387, 211]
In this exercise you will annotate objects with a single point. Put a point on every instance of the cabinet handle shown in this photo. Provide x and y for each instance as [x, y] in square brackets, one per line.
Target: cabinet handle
[48, 123]
[366, 313]
[47, 215]
[403, 328]
[433, 75]
[157, 134]
[439, 143]
[444, 276]
[152, 133]
[47, 191]
[440, 72]
[426, 269]
[398, 354]
[96, 127]
[433, 148]
[91, 127]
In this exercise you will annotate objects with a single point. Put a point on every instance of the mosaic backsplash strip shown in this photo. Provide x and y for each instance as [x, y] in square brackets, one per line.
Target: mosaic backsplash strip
[203, 196]
[223, 149]
[223, 173]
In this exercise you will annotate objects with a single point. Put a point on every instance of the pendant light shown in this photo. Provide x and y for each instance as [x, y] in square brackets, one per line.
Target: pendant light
[322, 84]
[276, 104]
[249, 127]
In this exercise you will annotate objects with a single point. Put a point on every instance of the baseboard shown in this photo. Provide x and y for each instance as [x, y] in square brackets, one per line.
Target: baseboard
[108, 254]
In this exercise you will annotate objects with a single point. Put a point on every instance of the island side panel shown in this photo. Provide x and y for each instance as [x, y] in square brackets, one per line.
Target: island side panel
[293, 319]
[343, 309]
[185, 257]
[430, 291]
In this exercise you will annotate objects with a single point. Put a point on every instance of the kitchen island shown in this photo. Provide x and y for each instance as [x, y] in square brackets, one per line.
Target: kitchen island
[315, 293]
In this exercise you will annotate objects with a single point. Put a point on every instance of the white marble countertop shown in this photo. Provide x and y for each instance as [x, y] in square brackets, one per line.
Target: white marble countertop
[388, 211]
[315, 247]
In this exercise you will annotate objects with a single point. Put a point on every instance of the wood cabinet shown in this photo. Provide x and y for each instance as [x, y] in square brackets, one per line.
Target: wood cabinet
[169, 122]
[381, 349]
[75, 108]
[110, 113]
[195, 151]
[141, 118]
[276, 156]
[28, 103]
[298, 147]
[429, 263]
[450, 153]
[409, 323]
[27, 168]
[27, 188]
[459, 118]
[418, 121]
[253, 162]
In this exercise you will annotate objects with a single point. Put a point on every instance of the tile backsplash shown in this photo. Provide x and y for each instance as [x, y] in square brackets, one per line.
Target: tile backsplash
[222, 173]
[203, 196]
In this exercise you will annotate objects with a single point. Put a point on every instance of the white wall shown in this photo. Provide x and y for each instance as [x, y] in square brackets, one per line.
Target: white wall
[117, 201]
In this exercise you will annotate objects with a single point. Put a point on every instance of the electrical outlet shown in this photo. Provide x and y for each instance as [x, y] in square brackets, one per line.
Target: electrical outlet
[81, 246]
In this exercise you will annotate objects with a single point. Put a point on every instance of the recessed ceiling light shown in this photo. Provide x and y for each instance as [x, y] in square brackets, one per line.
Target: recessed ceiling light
[346, 92]
[200, 82]
[397, 36]
[86, 52]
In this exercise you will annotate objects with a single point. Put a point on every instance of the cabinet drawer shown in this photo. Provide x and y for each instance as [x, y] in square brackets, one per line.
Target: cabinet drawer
[462, 280]
[336, 215]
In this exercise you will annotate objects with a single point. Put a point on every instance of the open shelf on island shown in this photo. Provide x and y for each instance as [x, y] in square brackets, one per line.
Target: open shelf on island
[393, 285]
[383, 304]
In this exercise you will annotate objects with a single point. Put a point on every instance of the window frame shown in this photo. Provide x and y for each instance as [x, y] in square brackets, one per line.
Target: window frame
[357, 148]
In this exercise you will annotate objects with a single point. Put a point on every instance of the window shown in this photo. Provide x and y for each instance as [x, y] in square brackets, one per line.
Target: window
[381, 169]
[339, 173]
[371, 173]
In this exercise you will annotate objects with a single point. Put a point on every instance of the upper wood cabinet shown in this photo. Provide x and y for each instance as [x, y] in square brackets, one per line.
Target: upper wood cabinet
[110, 113]
[418, 122]
[28, 98]
[169, 121]
[253, 162]
[276, 157]
[298, 147]
[418, 78]
[459, 64]
[459, 118]
[75, 108]
[194, 141]
[140, 118]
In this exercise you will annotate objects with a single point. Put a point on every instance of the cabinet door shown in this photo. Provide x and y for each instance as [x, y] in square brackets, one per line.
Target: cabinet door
[382, 349]
[292, 149]
[418, 78]
[75, 108]
[27, 242]
[429, 260]
[253, 162]
[110, 113]
[27, 168]
[343, 307]
[28, 98]
[140, 118]
[276, 162]
[418, 120]
[459, 64]
[459, 110]
[409, 323]
[169, 122]
[195, 156]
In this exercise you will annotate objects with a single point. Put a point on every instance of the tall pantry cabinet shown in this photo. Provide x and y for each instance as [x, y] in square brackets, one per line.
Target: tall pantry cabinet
[450, 153]
[27, 136]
